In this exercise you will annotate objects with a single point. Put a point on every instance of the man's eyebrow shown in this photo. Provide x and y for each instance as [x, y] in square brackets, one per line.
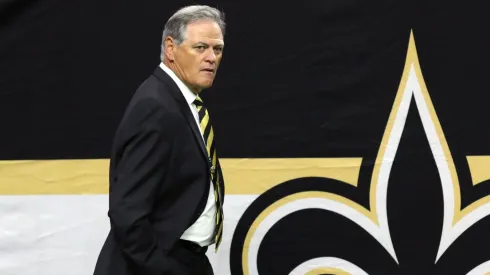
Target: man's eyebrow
[207, 45]
[200, 43]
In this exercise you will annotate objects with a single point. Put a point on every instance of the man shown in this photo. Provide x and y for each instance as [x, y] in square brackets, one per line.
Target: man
[166, 186]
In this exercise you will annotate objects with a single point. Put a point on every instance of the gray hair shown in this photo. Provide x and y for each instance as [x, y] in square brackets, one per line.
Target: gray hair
[177, 23]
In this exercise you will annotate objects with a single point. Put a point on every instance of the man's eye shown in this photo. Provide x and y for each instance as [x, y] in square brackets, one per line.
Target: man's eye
[200, 47]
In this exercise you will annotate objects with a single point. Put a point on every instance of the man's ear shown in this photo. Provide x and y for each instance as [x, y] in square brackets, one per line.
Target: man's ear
[170, 47]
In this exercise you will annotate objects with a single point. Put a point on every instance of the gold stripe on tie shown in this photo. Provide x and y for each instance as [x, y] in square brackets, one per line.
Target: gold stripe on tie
[218, 216]
[204, 121]
[214, 158]
[208, 135]
[210, 141]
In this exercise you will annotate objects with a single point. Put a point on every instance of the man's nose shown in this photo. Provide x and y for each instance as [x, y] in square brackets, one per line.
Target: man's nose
[211, 56]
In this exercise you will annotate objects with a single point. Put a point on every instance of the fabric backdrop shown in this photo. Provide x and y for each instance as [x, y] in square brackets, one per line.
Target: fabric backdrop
[353, 134]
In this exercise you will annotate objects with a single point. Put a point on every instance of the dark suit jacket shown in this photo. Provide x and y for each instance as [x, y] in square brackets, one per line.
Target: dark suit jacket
[159, 181]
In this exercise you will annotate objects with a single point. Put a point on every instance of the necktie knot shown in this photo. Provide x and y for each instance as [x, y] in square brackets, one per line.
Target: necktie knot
[198, 101]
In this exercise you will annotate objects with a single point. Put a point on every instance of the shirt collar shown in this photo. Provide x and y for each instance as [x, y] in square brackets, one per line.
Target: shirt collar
[188, 94]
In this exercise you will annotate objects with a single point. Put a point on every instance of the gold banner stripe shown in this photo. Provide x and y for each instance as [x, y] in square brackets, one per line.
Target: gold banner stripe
[242, 176]
[32, 177]
[479, 168]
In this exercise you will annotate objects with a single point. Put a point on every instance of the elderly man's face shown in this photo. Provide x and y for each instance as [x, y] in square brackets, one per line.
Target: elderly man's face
[196, 60]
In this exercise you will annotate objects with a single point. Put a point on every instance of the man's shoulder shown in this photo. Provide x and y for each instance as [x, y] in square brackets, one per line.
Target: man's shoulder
[153, 87]
[153, 93]
[150, 98]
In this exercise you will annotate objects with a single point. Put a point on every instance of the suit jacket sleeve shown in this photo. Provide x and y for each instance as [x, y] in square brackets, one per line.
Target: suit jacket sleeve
[144, 152]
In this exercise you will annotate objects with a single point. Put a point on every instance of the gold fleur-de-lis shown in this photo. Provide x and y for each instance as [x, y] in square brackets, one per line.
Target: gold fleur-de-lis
[374, 220]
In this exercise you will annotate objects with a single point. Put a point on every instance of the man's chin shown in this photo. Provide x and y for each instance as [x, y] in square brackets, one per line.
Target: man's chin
[205, 84]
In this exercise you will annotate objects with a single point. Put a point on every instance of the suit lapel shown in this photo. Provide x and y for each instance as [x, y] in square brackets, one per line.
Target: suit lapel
[184, 107]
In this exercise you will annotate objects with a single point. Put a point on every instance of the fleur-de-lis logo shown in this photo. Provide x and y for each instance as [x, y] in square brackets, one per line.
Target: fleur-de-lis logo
[358, 235]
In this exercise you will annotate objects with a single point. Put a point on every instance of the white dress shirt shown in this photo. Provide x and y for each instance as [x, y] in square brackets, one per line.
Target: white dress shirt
[202, 231]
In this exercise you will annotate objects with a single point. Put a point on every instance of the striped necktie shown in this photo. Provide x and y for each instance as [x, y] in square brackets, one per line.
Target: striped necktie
[208, 135]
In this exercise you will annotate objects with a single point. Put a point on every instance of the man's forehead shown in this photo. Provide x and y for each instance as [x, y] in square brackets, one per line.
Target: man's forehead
[204, 28]
[211, 42]
[203, 39]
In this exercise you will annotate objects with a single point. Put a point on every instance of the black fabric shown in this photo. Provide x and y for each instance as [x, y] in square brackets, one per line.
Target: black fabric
[192, 258]
[159, 181]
